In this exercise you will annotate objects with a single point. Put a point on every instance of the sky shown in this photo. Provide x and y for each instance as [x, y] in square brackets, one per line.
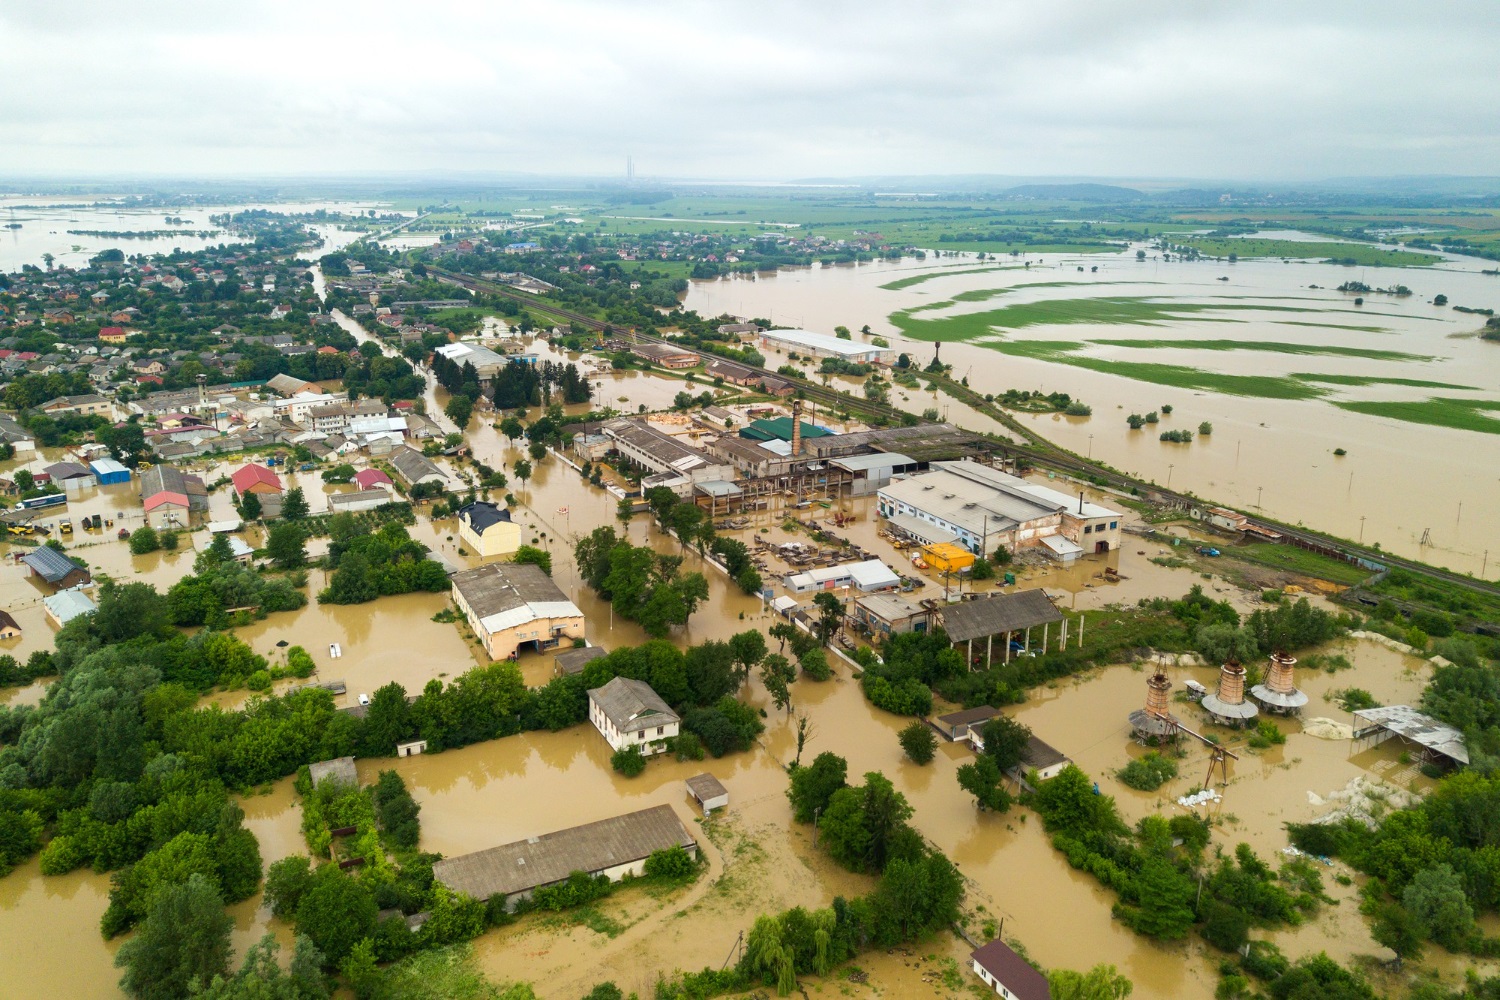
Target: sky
[763, 90]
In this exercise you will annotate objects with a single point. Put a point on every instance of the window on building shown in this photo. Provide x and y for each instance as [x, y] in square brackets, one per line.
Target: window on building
[1087, 528]
[661, 730]
[1114, 524]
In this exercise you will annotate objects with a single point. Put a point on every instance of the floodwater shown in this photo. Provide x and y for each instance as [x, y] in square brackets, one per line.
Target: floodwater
[45, 225]
[1398, 482]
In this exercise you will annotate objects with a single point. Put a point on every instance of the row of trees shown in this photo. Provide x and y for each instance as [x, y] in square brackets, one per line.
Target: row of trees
[693, 526]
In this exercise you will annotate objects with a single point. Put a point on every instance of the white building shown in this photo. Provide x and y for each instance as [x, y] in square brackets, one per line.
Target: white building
[820, 345]
[629, 713]
[869, 577]
[984, 508]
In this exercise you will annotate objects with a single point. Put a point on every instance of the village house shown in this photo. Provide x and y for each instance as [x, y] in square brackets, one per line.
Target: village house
[88, 404]
[170, 498]
[487, 529]
[628, 713]
[613, 848]
[63, 606]
[509, 605]
[9, 629]
[415, 468]
[255, 479]
[891, 614]
[1008, 974]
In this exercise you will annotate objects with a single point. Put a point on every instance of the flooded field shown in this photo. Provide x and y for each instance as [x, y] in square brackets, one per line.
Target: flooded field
[1265, 323]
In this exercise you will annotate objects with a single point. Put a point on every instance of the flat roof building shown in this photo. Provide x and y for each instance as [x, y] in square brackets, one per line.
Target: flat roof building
[821, 345]
[985, 508]
[891, 614]
[1000, 615]
[708, 792]
[868, 576]
[611, 847]
[570, 663]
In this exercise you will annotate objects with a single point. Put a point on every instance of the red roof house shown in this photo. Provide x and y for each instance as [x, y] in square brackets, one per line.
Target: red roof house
[368, 478]
[255, 479]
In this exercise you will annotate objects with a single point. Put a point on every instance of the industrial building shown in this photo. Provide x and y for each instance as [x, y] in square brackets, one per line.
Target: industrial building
[820, 345]
[486, 363]
[509, 605]
[984, 508]
[872, 473]
[108, 472]
[1000, 616]
[676, 464]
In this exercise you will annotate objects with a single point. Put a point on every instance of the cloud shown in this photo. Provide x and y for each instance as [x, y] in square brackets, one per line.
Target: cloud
[764, 90]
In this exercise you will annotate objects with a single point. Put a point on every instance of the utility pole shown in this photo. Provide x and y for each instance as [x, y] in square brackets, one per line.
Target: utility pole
[1169, 475]
[1361, 529]
[1258, 490]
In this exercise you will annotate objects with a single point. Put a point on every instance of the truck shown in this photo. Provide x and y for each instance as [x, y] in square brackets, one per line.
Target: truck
[65, 526]
[39, 503]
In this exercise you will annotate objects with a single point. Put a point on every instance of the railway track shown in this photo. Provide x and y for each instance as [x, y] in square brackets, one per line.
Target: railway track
[1036, 450]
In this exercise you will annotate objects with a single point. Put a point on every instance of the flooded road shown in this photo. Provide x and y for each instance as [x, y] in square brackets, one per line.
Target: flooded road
[1275, 454]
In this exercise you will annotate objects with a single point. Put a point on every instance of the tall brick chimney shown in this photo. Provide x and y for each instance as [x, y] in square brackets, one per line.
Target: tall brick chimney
[796, 428]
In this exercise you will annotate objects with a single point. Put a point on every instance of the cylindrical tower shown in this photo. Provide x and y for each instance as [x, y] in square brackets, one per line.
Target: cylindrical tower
[1154, 722]
[1227, 705]
[1279, 692]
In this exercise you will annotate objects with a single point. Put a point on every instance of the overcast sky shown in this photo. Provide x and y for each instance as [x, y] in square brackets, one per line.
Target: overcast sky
[760, 90]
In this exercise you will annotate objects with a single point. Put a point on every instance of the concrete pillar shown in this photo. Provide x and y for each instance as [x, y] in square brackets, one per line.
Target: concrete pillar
[1046, 627]
[989, 651]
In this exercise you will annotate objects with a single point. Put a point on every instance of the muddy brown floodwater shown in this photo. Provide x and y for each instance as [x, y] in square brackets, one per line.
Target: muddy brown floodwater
[1267, 453]
[759, 860]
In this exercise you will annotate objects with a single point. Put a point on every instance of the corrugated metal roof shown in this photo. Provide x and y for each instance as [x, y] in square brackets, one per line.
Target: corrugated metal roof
[632, 705]
[1408, 723]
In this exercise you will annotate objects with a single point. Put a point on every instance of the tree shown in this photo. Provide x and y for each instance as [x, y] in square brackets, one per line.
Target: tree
[522, 470]
[511, 428]
[286, 881]
[143, 540]
[185, 937]
[777, 674]
[250, 507]
[748, 649]
[261, 977]
[1165, 898]
[812, 786]
[1004, 741]
[981, 779]
[1437, 902]
[1395, 927]
[459, 409]
[285, 545]
[534, 556]
[862, 824]
[537, 450]
[336, 912]
[918, 742]
[294, 506]
[624, 510]
[1102, 982]
[830, 616]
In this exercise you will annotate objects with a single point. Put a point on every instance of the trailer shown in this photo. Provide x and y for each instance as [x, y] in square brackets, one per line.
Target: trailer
[43, 502]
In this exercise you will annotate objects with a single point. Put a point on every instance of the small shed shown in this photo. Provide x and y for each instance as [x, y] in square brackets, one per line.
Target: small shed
[948, 557]
[8, 627]
[1043, 758]
[411, 748]
[340, 769]
[957, 725]
[708, 792]
[571, 662]
[108, 472]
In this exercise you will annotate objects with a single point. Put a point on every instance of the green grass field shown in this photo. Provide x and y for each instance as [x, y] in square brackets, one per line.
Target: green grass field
[1274, 347]
[1295, 560]
[1363, 254]
[917, 279]
[1443, 411]
[1377, 380]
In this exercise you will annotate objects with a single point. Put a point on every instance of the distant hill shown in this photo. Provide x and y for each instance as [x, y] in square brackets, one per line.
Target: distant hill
[1074, 192]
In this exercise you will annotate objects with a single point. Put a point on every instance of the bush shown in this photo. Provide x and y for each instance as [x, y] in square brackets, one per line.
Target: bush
[1149, 772]
[688, 746]
[143, 540]
[814, 664]
[1267, 734]
[1077, 409]
[669, 863]
[628, 761]
[918, 742]
[1205, 429]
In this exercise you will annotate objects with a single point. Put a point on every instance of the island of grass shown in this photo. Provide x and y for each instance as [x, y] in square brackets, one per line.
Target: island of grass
[1362, 254]
[1441, 411]
[1271, 346]
[1301, 562]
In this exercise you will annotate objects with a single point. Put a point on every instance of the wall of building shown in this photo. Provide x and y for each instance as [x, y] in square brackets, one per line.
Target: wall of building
[500, 539]
[650, 741]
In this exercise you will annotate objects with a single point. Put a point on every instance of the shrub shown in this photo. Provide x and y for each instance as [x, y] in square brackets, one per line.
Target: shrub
[1148, 773]
[687, 746]
[628, 761]
[814, 664]
[1267, 734]
[1078, 409]
[144, 539]
[1205, 429]
[670, 862]
[918, 742]
[1177, 437]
